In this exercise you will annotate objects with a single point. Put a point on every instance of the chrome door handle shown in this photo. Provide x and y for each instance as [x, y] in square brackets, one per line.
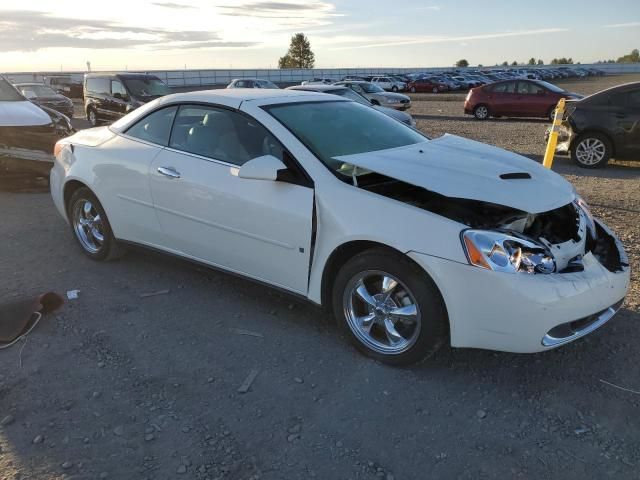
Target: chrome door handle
[168, 172]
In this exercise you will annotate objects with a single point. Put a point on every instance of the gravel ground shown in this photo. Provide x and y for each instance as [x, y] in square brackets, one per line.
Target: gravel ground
[120, 386]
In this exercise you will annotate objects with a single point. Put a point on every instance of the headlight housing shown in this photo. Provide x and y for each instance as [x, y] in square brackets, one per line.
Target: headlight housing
[393, 100]
[501, 252]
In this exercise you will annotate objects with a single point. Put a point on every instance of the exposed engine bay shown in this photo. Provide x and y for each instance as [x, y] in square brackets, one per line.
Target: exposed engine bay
[553, 241]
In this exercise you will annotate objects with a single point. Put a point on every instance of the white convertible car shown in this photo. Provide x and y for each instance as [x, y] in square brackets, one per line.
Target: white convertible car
[411, 242]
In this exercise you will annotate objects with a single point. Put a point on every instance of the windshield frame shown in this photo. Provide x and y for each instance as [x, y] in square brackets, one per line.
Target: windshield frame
[340, 176]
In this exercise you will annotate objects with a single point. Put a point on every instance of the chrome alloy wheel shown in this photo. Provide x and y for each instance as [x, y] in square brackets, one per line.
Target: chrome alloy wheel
[590, 151]
[481, 112]
[88, 226]
[381, 312]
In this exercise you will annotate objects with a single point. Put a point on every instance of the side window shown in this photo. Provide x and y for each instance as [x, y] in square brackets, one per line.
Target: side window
[222, 134]
[117, 87]
[98, 85]
[357, 88]
[506, 87]
[155, 127]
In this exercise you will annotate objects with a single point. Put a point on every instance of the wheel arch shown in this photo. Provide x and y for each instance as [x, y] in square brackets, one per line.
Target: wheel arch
[344, 252]
[70, 188]
[599, 131]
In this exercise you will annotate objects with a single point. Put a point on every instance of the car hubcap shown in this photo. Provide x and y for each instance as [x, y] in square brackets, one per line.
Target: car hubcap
[381, 312]
[92, 117]
[87, 223]
[481, 112]
[590, 151]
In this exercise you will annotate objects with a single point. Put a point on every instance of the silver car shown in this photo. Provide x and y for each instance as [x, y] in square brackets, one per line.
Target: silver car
[251, 83]
[356, 97]
[378, 96]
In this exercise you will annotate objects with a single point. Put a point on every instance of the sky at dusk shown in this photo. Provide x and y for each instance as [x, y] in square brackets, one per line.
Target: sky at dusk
[143, 34]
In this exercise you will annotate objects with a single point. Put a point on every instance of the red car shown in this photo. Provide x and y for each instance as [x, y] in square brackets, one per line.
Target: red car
[515, 98]
[426, 85]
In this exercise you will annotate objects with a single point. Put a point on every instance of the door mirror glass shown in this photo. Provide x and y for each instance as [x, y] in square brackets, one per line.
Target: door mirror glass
[265, 167]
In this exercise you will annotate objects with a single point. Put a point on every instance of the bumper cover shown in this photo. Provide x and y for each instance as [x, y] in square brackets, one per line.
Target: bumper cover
[523, 313]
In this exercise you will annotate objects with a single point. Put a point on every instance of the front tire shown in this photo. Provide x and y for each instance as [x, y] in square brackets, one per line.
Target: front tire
[481, 112]
[591, 150]
[394, 89]
[92, 116]
[391, 310]
[91, 227]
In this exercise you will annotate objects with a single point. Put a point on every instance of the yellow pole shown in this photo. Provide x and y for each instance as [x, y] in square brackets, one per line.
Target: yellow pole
[553, 137]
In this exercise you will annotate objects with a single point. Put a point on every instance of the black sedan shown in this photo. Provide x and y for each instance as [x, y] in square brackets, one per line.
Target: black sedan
[47, 97]
[28, 133]
[603, 126]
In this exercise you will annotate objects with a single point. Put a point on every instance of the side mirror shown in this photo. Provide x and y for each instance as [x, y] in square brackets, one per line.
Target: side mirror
[262, 168]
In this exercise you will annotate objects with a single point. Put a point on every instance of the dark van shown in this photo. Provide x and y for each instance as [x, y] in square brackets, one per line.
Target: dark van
[109, 96]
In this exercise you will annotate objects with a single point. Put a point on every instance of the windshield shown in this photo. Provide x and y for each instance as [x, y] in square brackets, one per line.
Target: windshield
[37, 90]
[8, 93]
[371, 88]
[551, 86]
[266, 84]
[336, 128]
[351, 95]
[147, 87]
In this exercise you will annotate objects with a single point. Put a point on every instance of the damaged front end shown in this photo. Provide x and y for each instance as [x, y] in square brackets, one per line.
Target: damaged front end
[506, 239]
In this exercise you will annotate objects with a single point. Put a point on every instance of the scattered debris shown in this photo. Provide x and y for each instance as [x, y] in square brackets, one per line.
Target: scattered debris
[481, 414]
[249, 333]
[246, 385]
[72, 294]
[154, 294]
[298, 380]
[67, 465]
[38, 439]
[619, 387]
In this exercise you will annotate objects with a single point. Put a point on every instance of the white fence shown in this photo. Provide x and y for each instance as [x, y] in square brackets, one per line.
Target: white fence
[203, 78]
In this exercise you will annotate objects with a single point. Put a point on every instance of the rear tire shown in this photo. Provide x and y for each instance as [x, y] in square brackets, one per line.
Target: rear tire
[413, 89]
[394, 89]
[404, 320]
[434, 90]
[591, 150]
[91, 227]
[481, 112]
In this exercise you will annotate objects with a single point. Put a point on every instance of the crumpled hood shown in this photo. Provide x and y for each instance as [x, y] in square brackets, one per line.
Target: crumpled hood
[462, 168]
[22, 114]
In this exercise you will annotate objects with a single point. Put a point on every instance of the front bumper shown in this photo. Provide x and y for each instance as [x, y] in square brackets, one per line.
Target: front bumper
[524, 313]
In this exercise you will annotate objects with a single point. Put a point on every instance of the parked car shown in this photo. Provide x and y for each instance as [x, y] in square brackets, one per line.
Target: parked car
[318, 81]
[406, 239]
[109, 96]
[389, 84]
[252, 83]
[45, 96]
[378, 96]
[65, 85]
[427, 85]
[603, 126]
[28, 133]
[515, 98]
[353, 78]
[346, 92]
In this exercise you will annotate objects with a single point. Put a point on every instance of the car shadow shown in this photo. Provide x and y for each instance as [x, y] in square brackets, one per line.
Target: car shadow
[615, 169]
[469, 118]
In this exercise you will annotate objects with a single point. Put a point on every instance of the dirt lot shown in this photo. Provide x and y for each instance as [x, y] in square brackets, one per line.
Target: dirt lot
[123, 387]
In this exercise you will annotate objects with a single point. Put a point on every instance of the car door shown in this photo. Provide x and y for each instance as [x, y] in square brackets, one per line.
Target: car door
[258, 228]
[501, 99]
[123, 175]
[118, 100]
[625, 112]
[531, 100]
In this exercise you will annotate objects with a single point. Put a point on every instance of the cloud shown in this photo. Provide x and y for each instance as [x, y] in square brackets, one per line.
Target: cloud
[395, 41]
[433, 8]
[176, 6]
[623, 25]
[22, 30]
[289, 13]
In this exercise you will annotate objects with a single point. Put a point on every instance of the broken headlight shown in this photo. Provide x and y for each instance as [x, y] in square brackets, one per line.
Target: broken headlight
[502, 252]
